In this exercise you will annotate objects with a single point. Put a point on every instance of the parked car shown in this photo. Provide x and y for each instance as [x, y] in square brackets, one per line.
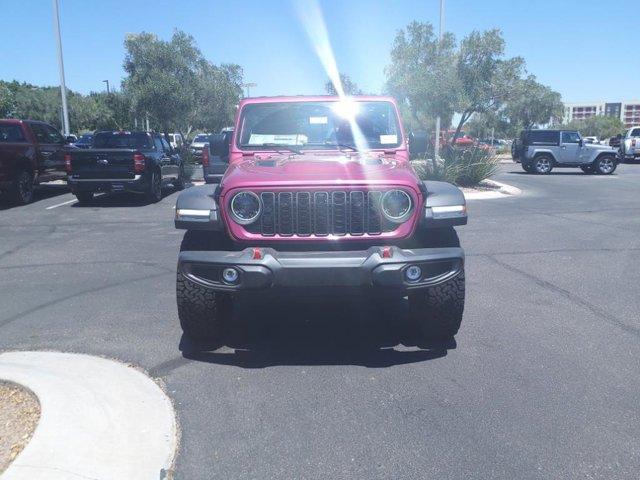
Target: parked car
[138, 162]
[590, 140]
[198, 143]
[308, 205]
[215, 156]
[540, 151]
[84, 141]
[175, 140]
[630, 144]
[31, 153]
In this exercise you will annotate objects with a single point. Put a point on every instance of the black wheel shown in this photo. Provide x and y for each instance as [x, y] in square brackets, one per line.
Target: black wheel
[203, 313]
[21, 190]
[178, 183]
[527, 167]
[154, 194]
[543, 164]
[588, 169]
[605, 165]
[84, 197]
[438, 310]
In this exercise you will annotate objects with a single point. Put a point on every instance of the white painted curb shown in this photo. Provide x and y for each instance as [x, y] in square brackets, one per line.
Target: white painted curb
[503, 190]
[100, 419]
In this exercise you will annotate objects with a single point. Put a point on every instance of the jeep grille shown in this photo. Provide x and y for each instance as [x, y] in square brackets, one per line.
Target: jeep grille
[321, 213]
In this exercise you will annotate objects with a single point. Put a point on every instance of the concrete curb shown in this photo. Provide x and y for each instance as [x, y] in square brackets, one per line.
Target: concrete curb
[100, 419]
[503, 190]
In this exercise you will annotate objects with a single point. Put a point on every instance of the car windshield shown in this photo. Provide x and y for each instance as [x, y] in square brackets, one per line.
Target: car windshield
[201, 138]
[319, 125]
[122, 140]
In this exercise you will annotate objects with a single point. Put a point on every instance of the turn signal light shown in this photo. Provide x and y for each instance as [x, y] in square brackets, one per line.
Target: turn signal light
[138, 163]
[205, 156]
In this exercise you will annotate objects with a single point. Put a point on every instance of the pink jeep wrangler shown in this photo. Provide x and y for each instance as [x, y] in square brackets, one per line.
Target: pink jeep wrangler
[320, 195]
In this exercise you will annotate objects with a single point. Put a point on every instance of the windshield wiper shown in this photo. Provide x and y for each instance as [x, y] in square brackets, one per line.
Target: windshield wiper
[341, 145]
[278, 146]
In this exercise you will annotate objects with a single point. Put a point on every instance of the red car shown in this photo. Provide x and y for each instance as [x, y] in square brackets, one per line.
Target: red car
[31, 152]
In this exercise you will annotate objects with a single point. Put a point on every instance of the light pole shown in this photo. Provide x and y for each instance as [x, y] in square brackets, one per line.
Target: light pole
[248, 86]
[436, 149]
[107, 82]
[63, 87]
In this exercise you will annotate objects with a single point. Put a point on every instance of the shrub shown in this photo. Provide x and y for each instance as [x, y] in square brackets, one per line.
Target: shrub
[464, 167]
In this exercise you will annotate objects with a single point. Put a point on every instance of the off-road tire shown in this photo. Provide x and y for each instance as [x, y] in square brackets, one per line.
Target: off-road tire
[84, 197]
[22, 187]
[542, 164]
[527, 167]
[154, 192]
[438, 310]
[588, 169]
[605, 165]
[203, 313]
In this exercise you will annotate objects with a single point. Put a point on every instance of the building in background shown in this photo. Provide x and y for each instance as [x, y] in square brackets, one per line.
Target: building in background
[627, 111]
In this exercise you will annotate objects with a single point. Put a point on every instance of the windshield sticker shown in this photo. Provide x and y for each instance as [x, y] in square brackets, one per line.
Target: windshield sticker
[293, 139]
[318, 120]
[388, 139]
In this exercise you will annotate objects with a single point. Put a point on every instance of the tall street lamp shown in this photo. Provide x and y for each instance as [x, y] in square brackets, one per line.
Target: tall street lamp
[248, 86]
[63, 87]
[436, 149]
[107, 82]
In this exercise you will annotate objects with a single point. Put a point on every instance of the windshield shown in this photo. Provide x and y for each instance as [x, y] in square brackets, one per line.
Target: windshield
[318, 125]
[122, 140]
[201, 138]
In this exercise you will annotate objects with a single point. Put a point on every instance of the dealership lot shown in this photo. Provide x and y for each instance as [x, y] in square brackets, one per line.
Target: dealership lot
[542, 381]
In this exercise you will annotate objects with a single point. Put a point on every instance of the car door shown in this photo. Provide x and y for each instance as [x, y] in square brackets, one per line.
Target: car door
[49, 152]
[163, 157]
[570, 147]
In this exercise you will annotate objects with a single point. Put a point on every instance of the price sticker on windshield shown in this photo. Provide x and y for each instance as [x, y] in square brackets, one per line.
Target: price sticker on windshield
[318, 120]
[388, 139]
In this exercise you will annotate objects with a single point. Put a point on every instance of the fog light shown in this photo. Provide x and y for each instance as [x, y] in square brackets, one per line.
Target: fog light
[230, 275]
[413, 273]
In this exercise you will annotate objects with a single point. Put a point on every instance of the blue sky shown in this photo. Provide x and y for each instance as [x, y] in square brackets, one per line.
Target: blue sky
[580, 48]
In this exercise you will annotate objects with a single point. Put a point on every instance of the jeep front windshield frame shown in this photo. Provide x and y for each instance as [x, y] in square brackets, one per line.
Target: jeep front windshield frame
[319, 125]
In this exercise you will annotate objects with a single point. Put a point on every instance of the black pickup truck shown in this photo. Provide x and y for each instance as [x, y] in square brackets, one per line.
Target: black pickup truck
[119, 161]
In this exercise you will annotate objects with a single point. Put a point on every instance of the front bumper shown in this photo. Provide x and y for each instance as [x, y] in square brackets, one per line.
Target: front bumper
[137, 184]
[327, 269]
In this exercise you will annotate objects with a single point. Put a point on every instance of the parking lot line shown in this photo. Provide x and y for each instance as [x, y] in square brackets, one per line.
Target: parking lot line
[61, 204]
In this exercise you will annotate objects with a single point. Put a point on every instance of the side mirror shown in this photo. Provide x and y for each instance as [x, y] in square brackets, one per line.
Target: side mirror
[418, 144]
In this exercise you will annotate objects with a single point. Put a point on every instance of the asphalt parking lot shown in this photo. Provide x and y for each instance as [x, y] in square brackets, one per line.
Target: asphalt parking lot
[543, 380]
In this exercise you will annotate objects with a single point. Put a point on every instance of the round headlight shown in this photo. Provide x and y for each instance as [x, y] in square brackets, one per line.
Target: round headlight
[245, 207]
[396, 205]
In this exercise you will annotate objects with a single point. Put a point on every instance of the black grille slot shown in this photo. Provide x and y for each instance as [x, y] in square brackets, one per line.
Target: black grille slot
[309, 213]
[268, 218]
[285, 213]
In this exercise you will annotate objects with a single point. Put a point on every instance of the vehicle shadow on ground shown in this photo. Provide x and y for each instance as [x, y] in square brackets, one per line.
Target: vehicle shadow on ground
[42, 192]
[319, 332]
[579, 173]
[124, 199]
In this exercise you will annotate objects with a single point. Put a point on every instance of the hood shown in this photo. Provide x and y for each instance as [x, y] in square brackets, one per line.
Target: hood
[597, 146]
[319, 169]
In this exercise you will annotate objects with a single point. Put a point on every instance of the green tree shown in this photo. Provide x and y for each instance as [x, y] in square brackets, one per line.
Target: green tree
[162, 77]
[487, 80]
[7, 102]
[600, 126]
[532, 104]
[422, 74]
[349, 86]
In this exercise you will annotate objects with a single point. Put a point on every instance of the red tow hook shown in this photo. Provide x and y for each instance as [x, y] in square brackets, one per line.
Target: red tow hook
[256, 254]
[387, 252]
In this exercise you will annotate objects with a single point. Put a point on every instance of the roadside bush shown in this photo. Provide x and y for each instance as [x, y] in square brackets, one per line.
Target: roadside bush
[465, 167]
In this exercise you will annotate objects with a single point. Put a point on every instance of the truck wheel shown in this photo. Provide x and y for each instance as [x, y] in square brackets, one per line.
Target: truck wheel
[154, 194]
[588, 169]
[203, 313]
[543, 164]
[605, 165]
[438, 310]
[527, 167]
[21, 191]
[84, 197]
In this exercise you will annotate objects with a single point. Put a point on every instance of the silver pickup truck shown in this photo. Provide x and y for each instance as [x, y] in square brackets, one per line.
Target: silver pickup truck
[630, 144]
[540, 151]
